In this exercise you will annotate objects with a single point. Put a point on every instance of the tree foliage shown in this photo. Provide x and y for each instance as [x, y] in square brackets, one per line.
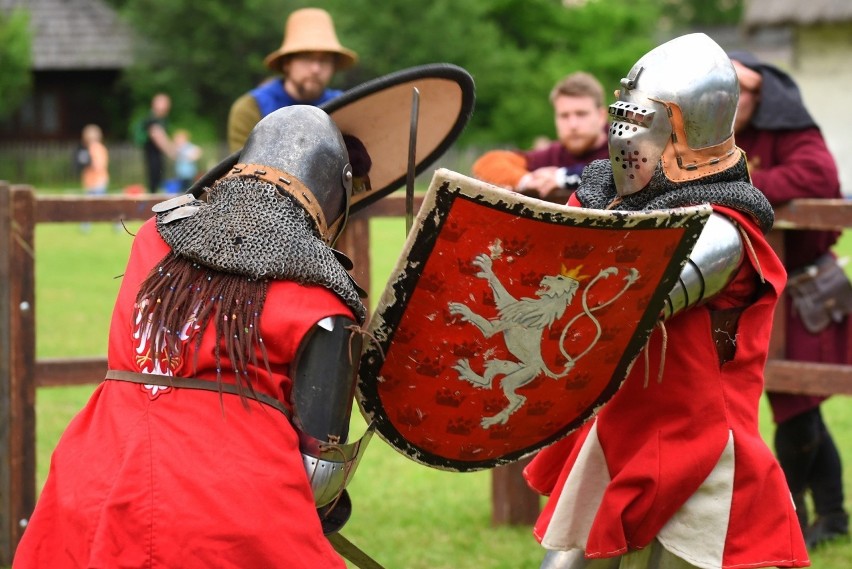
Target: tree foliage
[692, 13]
[516, 50]
[205, 54]
[15, 60]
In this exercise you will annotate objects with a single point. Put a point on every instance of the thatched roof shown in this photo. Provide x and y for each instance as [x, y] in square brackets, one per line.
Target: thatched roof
[759, 13]
[75, 34]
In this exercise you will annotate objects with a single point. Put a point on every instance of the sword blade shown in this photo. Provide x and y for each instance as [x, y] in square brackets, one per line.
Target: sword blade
[412, 160]
[352, 552]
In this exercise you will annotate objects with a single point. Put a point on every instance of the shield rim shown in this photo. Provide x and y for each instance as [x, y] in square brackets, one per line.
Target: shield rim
[389, 312]
[362, 96]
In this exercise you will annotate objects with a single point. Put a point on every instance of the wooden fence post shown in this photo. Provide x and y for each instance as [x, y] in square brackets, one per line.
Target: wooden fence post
[17, 365]
[512, 501]
[778, 337]
[355, 243]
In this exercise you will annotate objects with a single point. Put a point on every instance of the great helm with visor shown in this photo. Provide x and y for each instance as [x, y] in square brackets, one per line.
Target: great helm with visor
[675, 111]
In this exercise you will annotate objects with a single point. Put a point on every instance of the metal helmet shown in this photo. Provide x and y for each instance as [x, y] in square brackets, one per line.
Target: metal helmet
[300, 149]
[675, 111]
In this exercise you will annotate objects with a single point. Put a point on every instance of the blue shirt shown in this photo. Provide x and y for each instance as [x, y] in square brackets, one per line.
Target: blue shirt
[271, 96]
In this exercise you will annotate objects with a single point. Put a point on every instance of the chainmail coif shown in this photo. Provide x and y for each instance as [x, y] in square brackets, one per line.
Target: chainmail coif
[729, 188]
[246, 227]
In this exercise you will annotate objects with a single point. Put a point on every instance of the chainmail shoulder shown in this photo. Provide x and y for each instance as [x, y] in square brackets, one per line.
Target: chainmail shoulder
[730, 188]
[247, 227]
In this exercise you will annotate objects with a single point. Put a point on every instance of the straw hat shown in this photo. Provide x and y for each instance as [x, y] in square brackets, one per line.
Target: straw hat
[310, 29]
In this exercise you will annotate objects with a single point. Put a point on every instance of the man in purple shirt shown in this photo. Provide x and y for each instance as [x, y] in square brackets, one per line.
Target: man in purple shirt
[580, 116]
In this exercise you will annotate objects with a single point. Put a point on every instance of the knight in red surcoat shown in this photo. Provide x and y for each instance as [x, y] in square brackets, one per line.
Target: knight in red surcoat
[673, 472]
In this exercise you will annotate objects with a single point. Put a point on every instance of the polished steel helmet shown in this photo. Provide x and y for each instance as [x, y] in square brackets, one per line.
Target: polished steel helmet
[301, 151]
[675, 111]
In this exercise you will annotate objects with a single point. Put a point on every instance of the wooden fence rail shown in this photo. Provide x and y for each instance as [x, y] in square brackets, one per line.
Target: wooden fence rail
[21, 373]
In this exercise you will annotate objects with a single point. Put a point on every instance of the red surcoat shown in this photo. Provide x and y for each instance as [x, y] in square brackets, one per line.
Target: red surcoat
[681, 459]
[151, 477]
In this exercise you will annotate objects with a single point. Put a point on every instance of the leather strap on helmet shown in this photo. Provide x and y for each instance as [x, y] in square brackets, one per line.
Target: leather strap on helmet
[682, 163]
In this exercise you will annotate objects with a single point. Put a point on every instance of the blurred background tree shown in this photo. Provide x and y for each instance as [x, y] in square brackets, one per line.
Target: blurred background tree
[15, 60]
[205, 54]
[516, 50]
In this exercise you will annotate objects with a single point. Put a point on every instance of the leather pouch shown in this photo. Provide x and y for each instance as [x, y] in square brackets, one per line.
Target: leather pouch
[821, 294]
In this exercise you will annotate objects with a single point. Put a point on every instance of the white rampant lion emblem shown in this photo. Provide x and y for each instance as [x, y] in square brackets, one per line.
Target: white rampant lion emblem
[522, 323]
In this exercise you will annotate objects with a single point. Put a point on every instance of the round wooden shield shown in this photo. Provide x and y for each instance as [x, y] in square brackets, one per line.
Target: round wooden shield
[378, 112]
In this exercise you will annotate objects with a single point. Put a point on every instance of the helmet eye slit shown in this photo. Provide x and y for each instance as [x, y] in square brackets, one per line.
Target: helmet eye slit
[631, 113]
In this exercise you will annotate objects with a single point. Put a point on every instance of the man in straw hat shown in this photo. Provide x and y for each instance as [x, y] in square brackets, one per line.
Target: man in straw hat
[309, 56]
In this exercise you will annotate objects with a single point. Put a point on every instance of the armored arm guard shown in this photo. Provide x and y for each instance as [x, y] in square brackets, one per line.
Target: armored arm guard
[711, 266]
[324, 373]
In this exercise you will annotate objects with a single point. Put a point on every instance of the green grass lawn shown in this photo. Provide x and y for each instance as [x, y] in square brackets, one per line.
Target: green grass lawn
[405, 515]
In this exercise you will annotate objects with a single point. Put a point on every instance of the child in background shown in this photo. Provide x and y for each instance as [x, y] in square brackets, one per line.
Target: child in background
[94, 175]
[186, 159]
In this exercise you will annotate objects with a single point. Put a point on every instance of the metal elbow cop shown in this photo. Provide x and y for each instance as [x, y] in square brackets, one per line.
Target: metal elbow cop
[711, 266]
[323, 392]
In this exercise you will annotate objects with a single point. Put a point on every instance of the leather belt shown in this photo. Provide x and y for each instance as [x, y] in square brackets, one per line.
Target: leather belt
[194, 383]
